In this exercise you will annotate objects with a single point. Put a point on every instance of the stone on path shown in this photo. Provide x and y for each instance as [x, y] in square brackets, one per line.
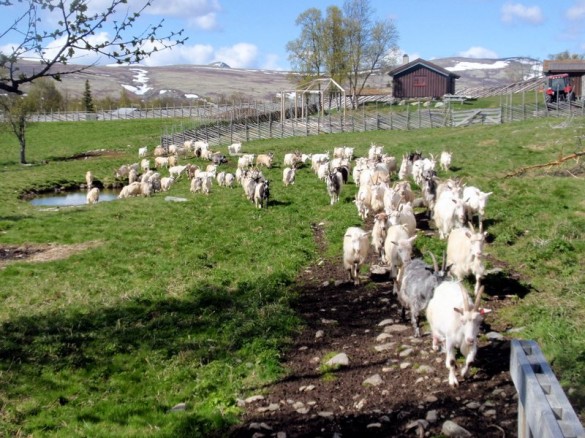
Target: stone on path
[340, 359]
[374, 380]
[450, 428]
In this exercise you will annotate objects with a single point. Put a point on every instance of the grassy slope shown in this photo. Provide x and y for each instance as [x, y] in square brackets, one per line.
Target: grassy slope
[189, 302]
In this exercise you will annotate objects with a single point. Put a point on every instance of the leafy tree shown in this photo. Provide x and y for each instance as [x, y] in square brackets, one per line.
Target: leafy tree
[44, 96]
[369, 44]
[566, 55]
[125, 100]
[347, 45]
[16, 110]
[76, 30]
[87, 99]
[306, 53]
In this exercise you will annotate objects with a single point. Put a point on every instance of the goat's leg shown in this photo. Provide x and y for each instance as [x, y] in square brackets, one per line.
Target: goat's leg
[451, 364]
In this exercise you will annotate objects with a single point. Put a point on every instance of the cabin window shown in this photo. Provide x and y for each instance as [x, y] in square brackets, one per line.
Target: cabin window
[419, 81]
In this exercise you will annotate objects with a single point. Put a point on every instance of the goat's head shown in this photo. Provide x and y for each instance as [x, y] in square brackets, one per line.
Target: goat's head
[471, 317]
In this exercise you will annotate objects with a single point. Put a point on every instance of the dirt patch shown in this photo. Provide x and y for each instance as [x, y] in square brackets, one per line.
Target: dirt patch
[91, 154]
[42, 252]
[412, 397]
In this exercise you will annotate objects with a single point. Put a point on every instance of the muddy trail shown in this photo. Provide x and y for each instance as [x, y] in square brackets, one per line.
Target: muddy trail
[394, 385]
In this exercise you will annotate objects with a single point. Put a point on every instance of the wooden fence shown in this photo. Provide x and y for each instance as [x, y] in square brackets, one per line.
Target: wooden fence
[543, 408]
[417, 116]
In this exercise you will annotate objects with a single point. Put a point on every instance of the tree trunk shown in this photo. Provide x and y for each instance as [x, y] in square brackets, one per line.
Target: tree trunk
[22, 142]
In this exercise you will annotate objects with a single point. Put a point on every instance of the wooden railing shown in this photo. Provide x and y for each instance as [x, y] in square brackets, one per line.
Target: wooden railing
[543, 408]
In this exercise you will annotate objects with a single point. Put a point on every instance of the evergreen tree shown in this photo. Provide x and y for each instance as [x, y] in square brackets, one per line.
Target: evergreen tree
[87, 98]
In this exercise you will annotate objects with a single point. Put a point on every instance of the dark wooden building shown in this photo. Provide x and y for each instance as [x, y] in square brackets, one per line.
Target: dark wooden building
[420, 79]
[575, 69]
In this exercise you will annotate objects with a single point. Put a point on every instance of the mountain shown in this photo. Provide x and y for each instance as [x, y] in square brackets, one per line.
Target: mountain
[218, 82]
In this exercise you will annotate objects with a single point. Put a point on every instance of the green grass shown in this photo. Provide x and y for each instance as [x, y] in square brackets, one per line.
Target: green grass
[191, 302]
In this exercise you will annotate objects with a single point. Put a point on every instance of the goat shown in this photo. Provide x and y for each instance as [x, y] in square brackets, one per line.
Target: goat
[474, 201]
[356, 246]
[262, 194]
[465, 254]
[445, 160]
[379, 232]
[416, 289]
[455, 319]
[235, 149]
[397, 249]
[93, 196]
[448, 213]
[334, 182]
[288, 175]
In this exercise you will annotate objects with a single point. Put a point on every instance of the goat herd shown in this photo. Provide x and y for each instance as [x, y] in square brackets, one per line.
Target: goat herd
[453, 316]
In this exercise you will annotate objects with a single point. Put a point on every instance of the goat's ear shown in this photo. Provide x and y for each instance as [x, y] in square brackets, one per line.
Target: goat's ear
[483, 311]
[458, 310]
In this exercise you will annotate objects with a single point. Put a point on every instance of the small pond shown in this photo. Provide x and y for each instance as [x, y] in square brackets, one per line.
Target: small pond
[68, 199]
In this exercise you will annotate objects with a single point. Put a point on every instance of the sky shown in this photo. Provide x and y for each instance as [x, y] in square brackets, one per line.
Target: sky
[254, 33]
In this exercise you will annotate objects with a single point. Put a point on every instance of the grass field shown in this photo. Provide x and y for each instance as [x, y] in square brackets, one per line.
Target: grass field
[190, 302]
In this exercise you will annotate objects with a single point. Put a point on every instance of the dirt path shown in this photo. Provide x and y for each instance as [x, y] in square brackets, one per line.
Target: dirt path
[409, 394]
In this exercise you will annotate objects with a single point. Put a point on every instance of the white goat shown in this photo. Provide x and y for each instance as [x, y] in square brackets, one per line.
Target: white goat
[89, 179]
[379, 232]
[177, 171]
[404, 215]
[142, 152]
[445, 160]
[356, 246]
[166, 183]
[93, 196]
[288, 176]
[465, 254]
[455, 321]
[235, 149]
[475, 201]
[448, 213]
[397, 249]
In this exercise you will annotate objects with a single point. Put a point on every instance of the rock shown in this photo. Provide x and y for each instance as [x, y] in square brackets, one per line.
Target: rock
[306, 388]
[515, 330]
[280, 434]
[489, 413]
[374, 426]
[328, 321]
[473, 405]
[405, 353]
[394, 328]
[359, 405]
[425, 369]
[374, 380]
[254, 398]
[338, 283]
[450, 428]
[179, 407]
[298, 405]
[325, 414]
[383, 336]
[340, 360]
[385, 322]
[404, 365]
[495, 336]
[431, 398]
[432, 416]
[175, 199]
[384, 347]
[319, 334]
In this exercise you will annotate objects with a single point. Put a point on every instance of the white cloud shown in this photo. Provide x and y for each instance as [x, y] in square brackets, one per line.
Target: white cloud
[199, 54]
[240, 55]
[271, 63]
[200, 13]
[478, 52]
[515, 12]
[577, 11]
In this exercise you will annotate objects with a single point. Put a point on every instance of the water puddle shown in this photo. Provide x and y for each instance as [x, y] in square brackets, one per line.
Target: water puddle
[68, 199]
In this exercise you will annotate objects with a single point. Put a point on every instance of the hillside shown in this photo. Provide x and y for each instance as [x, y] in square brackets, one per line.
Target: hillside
[214, 82]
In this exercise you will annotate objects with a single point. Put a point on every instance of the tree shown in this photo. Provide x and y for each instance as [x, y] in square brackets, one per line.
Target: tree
[369, 44]
[306, 53]
[87, 99]
[566, 56]
[77, 30]
[346, 45]
[44, 96]
[16, 110]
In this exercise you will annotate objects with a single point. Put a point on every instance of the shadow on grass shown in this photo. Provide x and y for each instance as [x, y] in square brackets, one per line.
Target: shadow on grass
[503, 284]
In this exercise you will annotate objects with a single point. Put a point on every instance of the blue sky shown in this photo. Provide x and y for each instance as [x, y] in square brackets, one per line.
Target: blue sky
[254, 33]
